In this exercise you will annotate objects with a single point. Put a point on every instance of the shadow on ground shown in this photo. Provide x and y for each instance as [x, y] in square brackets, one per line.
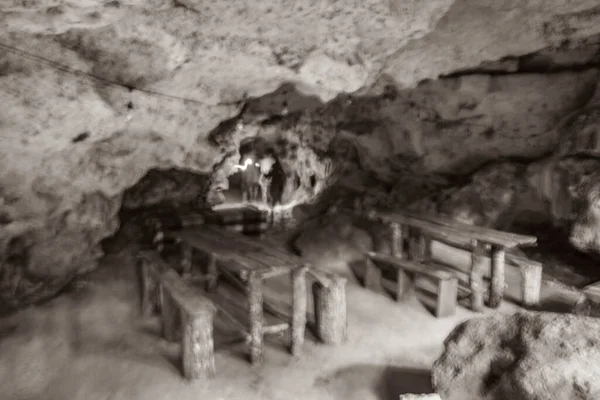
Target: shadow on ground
[364, 381]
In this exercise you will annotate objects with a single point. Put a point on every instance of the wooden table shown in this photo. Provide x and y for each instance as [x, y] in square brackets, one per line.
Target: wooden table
[250, 263]
[474, 238]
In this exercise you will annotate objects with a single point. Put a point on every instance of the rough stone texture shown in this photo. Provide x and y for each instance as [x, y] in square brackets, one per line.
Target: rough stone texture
[524, 356]
[70, 144]
[585, 234]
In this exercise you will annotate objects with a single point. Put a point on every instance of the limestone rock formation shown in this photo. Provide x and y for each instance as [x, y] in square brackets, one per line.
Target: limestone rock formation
[524, 356]
[94, 95]
[585, 234]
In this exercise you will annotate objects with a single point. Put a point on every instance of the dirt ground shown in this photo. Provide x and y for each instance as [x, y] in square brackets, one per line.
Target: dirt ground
[91, 344]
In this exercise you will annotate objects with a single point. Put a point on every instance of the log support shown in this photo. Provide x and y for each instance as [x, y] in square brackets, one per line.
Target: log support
[476, 278]
[531, 284]
[372, 279]
[446, 298]
[397, 240]
[146, 286]
[255, 299]
[212, 273]
[498, 280]
[187, 252]
[170, 315]
[298, 310]
[330, 310]
[198, 346]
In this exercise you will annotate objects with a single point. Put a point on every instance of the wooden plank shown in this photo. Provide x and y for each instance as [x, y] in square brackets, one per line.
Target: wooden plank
[237, 260]
[410, 266]
[234, 303]
[260, 246]
[449, 227]
[187, 298]
[447, 298]
[244, 244]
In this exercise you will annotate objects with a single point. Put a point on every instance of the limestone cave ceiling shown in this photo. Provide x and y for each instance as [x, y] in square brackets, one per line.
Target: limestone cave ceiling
[95, 94]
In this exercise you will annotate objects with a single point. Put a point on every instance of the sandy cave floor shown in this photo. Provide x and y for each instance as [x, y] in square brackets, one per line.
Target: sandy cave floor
[90, 343]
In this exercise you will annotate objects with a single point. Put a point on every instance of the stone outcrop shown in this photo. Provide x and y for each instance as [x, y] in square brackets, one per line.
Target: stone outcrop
[95, 95]
[585, 234]
[524, 356]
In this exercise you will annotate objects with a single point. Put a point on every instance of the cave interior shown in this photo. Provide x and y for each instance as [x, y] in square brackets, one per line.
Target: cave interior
[98, 167]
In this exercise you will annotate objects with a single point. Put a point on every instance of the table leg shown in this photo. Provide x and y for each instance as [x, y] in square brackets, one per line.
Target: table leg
[476, 278]
[397, 240]
[256, 318]
[212, 273]
[186, 259]
[498, 280]
[298, 309]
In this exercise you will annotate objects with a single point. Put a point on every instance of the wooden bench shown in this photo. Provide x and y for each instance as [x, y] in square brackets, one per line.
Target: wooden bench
[186, 314]
[406, 271]
[249, 264]
[478, 240]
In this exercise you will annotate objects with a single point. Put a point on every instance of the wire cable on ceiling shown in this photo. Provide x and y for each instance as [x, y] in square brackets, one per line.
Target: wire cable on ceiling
[73, 71]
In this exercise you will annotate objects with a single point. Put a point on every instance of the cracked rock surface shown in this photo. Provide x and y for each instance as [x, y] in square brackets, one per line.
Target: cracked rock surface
[523, 356]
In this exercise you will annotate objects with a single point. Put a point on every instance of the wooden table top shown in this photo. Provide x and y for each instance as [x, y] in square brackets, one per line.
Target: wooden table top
[244, 253]
[450, 228]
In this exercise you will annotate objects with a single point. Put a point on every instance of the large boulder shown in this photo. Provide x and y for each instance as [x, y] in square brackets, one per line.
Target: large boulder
[524, 356]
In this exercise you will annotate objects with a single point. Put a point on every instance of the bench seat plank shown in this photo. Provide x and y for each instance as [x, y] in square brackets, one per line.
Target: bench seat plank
[446, 281]
[411, 266]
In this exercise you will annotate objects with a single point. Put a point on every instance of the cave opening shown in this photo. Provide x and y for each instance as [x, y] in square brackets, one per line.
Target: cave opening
[247, 172]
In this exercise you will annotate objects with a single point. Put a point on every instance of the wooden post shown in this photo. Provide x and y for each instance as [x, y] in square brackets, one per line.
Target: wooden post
[330, 310]
[404, 285]
[372, 279]
[197, 345]
[476, 278]
[397, 240]
[498, 280]
[187, 253]
[213, 273]
[255, 299]
[147, 303]
[171, 322]
[424, 247]
[531, 280]
[298, 309]
[415, 252]
[446, 298]
[403, 281]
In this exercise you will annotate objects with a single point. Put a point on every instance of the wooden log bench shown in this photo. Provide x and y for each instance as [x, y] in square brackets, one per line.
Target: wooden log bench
[520, 270]
[186, 314]
[235, 257]
[406, 271]
[420, 230]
